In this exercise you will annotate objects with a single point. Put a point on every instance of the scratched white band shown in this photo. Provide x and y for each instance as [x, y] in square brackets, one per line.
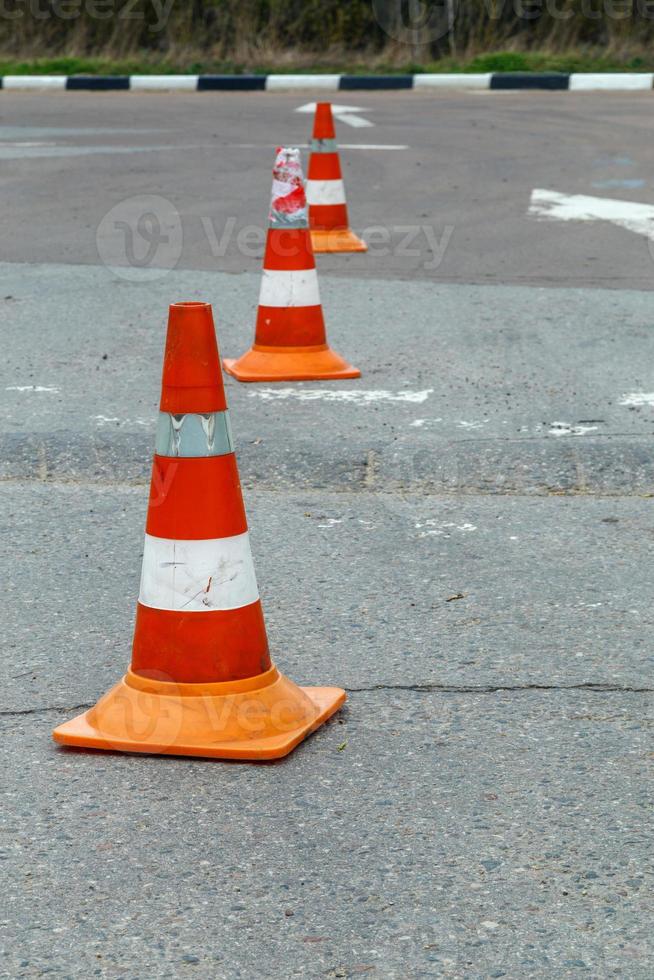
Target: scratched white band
[295, 288]
[198, 576]
[325, 192]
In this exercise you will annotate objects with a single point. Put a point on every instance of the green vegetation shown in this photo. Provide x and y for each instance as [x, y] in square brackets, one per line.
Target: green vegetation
[225, 36]
[501, 61]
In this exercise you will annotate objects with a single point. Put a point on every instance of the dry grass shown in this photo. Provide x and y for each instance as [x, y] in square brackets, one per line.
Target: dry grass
[297, 35]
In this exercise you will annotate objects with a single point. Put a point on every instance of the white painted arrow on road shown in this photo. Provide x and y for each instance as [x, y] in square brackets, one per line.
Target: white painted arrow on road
[631, 215]
[344, 113]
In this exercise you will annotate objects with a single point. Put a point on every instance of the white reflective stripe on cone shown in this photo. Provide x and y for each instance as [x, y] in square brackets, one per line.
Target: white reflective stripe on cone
[198, 576]
[325, 192]
[293, 288]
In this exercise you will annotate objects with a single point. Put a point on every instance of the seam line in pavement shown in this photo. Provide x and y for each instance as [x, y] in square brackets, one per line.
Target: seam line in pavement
[538, 491]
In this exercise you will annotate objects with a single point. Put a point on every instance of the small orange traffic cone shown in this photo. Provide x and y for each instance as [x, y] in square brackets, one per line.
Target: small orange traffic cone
[201, 680]
[290, 343]
[330, 229]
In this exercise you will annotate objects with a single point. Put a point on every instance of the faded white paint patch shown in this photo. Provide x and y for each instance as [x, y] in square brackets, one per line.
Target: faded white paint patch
[331, 522]
[422, 423]
[630, 215]
[566, 429]
[471, 425]
[637, 398]
[442, 528]
[50, 389]
[198, 576]
[352, 396]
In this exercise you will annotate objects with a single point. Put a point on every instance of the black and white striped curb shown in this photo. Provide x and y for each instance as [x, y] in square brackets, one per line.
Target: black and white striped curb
[496, 81]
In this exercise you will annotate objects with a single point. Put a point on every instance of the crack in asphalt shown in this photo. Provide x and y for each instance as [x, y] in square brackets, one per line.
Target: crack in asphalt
[418, 688]
[39, 711]
[501, 688]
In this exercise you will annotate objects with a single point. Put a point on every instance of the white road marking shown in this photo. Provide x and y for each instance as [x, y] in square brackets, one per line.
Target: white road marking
[442, 528]
[310, 107]
[421, 423]
[637, 398]
[353, 396]
[357, 122]
[344, 113]
[565, 429]
[630, 215]
[341, 146]
[52, 390]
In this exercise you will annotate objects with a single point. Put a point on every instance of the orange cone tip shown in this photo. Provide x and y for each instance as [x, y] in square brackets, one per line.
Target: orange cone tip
[201, 681]
[290, 341]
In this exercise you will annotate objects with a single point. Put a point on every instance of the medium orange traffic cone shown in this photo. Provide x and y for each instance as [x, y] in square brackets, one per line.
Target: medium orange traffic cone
[201, 680]
[290, 343]
[330, 229]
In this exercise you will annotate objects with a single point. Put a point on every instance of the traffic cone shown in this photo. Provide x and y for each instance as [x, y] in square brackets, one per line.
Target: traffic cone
[330, 229]
[290, 343]
[201, 681]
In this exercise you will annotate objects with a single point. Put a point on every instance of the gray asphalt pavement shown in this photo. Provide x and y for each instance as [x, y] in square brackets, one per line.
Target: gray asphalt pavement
[452, 205]
[461, 538]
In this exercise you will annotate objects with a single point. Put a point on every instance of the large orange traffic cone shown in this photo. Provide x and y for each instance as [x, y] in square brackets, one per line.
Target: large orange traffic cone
[290, 343]
[201, 680]
[330, 229]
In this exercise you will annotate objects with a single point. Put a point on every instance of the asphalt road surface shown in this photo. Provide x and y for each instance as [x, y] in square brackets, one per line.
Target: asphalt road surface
[461, 539]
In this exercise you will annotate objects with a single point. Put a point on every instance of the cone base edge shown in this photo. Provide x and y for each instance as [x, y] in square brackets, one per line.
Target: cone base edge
[288, 368]
[343, 240]
[80, 733]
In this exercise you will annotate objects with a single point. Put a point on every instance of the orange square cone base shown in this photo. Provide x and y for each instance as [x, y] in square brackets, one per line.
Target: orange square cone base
[290, 364]
[336, 240]
[262, 717]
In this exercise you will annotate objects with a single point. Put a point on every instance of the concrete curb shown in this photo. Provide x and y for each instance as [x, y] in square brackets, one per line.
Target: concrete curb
[496, 81]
